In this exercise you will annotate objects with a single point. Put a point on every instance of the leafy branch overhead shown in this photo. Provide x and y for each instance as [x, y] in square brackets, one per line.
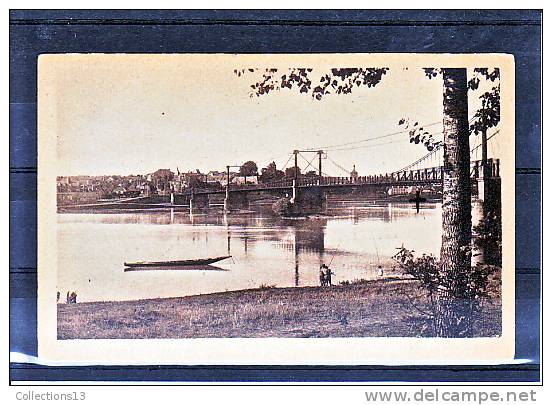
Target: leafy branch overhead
[473, 83]
[336, 81]
[487, 116]
[418, 134]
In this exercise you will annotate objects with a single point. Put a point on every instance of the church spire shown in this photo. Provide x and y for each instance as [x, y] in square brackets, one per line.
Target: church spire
[354, 173]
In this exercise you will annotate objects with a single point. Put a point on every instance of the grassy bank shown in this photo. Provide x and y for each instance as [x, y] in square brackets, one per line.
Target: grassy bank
[367, 309]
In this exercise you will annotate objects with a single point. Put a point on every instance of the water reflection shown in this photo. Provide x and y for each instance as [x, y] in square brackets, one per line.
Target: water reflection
[265, 250]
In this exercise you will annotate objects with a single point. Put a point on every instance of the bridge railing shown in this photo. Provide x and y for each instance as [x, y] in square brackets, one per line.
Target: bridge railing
[476, 170]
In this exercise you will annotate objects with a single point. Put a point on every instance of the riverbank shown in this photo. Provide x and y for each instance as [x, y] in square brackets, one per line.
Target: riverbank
[383, 307]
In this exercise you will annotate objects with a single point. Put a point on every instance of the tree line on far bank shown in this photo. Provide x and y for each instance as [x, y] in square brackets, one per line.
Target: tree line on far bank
[271, 173]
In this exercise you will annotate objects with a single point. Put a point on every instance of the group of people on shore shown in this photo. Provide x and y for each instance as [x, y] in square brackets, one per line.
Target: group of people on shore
[325, 275]
[70, 299]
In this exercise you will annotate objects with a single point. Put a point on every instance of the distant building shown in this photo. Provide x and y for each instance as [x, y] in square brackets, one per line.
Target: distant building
[75, 198]
[144, 188]
[224, 180]
[63, 181]
[119, 191]
[214, 177]
[354, 175]
[241, 180]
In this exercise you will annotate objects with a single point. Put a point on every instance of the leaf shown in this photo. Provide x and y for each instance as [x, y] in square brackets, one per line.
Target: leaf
[473, 84]
[431, 72]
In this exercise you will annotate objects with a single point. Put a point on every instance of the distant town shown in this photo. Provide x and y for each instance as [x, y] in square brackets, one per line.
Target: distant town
[86, 189]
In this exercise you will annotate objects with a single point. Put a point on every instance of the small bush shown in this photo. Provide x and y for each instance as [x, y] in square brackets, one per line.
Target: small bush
[354, 282]
[488, 238]
[282, 207]
[453, 302]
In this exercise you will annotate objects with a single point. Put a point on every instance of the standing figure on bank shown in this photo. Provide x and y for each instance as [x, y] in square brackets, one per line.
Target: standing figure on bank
[329, 273]
[71, 297]
[322, 275]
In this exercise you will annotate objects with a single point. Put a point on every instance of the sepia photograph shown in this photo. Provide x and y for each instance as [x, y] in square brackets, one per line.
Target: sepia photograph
[276, 201]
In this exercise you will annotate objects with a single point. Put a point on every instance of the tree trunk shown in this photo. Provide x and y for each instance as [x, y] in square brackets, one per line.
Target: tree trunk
[454, 317]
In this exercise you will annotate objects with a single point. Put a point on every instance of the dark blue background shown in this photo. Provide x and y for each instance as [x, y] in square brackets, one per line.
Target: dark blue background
[517, 32]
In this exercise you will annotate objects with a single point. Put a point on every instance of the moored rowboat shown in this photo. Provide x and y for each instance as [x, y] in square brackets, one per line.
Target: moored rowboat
[173, 263]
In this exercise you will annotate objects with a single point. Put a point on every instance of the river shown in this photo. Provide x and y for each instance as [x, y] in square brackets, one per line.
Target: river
[92, 248]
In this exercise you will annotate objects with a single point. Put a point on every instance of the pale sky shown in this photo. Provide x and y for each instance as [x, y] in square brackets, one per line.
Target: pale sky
[134, 114]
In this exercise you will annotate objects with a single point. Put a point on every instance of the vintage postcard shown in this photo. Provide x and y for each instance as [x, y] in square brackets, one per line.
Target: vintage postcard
[276, 209]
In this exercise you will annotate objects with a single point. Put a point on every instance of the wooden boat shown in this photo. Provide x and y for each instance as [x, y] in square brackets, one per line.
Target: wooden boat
[206, 267]
[178, 263]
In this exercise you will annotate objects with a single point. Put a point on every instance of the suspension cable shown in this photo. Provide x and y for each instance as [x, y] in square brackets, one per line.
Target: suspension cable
[329, 147]
[435, 150]
[408, 167]
[488, 139]
[285, 165]
[310, 164]
[339, 166]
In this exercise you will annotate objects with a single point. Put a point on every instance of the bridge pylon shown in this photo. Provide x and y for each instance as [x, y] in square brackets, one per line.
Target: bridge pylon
[295, 186]
[227, 194]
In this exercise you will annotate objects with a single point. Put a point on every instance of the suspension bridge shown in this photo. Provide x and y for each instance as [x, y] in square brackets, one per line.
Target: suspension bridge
[426, 173]
[423, 176]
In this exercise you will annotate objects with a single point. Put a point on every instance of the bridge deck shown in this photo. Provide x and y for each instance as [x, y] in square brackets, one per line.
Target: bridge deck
[419, 177]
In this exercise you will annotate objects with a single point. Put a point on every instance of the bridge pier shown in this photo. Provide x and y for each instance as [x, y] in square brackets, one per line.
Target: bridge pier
[488, 208]
[227, 199]
[238, 199]
[482, 190]
[488, 173]
[295, 192]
